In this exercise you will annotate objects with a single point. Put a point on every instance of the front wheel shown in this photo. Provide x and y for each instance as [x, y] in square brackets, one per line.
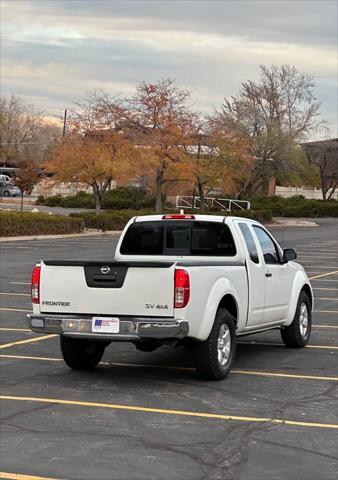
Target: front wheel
[214, 357]
[81, 354]
[298, 333]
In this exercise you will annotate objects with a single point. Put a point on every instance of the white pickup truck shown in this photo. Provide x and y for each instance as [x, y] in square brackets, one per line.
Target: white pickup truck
[193, 280]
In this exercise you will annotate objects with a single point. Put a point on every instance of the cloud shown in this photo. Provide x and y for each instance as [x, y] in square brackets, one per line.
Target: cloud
[53, 51]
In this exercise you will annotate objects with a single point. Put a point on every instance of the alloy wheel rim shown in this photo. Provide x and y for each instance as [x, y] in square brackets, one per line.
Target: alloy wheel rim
[223, 345]
[303, 320]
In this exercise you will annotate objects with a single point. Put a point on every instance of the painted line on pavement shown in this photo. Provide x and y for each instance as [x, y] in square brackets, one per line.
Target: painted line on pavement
[324, 274]
[8, 329]
[27, 357]
[317, 266]
[271, 344]
[325, 311]
[324, 288]
[163, 411]
[9, 309]
[335, 280]
[18, 294]
[325, 326]
[30, 340]
[189, 369]
[20, 476]
[326, 298]
[21, 283]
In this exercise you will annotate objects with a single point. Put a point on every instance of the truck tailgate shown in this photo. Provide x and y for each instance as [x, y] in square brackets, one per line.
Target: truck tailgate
[111, 288]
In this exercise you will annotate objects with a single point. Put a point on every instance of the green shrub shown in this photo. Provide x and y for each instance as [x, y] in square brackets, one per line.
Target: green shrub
[28, 223]
[296, 206]
[54, 201]
[80, 200]
[109, 220]
[127, 198]
[119, 199]
[116, 220]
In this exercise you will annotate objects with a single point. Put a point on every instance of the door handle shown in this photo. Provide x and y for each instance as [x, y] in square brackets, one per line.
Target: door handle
[268, 274]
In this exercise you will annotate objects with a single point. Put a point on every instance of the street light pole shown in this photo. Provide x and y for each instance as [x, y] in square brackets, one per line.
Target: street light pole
[64, 123]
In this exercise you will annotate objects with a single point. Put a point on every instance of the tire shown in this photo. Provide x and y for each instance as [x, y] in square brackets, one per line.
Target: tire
[208, 357]
[81, 354]
[298, 333]
[6, 194]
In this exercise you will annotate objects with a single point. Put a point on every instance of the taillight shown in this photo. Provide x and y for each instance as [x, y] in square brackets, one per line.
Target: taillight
[35, 288]
[182, 288]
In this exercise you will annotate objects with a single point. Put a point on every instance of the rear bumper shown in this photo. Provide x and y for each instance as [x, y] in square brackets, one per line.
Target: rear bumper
[131, 328]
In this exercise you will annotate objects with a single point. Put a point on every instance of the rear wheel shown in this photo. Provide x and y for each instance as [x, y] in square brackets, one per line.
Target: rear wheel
[298, 333]
[81, 354]
[214, 357]
[6, 193]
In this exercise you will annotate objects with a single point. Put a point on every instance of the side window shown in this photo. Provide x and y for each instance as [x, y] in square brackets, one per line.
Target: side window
[212, 239]
[249, 241]
[267, 245]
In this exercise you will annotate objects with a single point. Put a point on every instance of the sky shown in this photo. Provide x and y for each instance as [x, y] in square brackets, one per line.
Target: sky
[53, 51]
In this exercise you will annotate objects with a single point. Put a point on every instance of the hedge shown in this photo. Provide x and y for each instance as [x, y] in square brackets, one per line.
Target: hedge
[133, 199]
[296, 206]
[116, 220]
[28, 223]
[118, 199]
[109, 220]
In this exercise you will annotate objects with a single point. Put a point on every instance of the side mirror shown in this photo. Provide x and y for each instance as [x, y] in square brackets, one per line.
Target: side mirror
[289, 254]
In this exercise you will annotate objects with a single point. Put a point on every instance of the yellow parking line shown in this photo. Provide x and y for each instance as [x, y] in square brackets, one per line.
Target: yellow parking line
[26, 357]
[325, 311]
[30, 340]
[334, 280]
[15, 329]
[328, 347]
[185, 413]
[325, 326]
[20, 476]
[15, 294]
[284, 375]
[8, 309]
[324, 288]
[326, 298]
[189, 369]
[324, 275]
[270, 344]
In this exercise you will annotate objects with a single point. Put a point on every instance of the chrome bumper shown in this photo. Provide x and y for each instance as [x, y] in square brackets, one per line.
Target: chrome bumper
[131, 328]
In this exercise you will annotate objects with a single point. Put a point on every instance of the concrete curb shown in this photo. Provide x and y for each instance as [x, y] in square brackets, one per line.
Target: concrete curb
[292, 222]
[112, 233]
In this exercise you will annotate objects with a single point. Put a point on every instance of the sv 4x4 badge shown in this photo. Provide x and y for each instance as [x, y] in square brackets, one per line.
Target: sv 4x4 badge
[152, 306]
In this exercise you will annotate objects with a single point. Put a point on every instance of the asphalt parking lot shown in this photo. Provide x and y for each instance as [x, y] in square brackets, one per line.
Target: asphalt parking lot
[148, 415]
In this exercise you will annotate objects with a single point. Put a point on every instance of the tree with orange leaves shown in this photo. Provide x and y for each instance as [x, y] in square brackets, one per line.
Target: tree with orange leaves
[161, 124]
[95, 160]
[96, 150]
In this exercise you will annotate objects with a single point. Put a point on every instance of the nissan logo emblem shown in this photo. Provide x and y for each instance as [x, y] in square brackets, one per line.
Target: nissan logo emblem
[105, 270]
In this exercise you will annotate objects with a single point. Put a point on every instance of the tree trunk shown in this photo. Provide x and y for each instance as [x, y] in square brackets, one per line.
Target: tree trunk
[22, 201]
[323, 185]
[201, 194]
[97, 196]
[159, 182]
[333, 187]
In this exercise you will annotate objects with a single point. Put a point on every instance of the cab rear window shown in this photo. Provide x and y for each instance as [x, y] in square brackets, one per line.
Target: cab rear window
[178, 238]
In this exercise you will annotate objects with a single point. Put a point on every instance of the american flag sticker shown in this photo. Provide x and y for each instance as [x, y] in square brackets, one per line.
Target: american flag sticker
[105, 325]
